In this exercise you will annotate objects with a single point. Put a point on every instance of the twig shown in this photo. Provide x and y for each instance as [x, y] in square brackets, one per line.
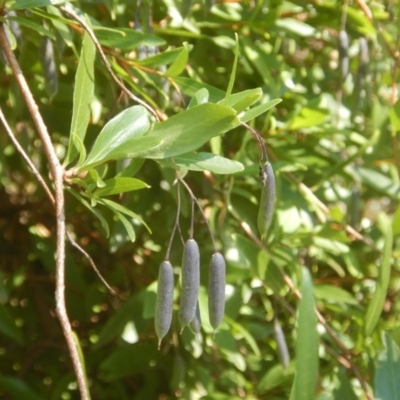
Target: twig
[176, 224]
[21, 151]
[57, 172]
[105, 61]
[194, 198]
[308, 192]
[42, 182]
[91, 262]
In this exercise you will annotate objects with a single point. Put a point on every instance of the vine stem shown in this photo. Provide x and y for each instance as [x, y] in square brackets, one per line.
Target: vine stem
[57, 172]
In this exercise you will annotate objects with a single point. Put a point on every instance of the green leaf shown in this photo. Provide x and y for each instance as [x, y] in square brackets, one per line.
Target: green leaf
[125, 38]
[165, 58]
[190, 129]
[258, 110]
[307, 343]
[190, 86]
[96, 212]
[119, 185]
[134, 148]
[129, 360]
[131, 123]
[83, 96]
[295, 26]
[395, 116]
[208, 162]
[18, 389]
[79, 146]
[32, 25]
[378, 299]
[114, 326]
[387, 372]
[379, 182]
[334, 294]
[93, 177]
[113, 206]
[130, 170]
[245, 334]
[276, 376]
[308, 117]
[127, 224]
[27, 4]
[231, 82]
[345, 389]
[200, 97]
[179, 64]
[242, 100]
[8, 327]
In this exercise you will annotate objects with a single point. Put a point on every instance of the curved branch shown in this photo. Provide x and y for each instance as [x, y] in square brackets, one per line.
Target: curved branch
[57, 172]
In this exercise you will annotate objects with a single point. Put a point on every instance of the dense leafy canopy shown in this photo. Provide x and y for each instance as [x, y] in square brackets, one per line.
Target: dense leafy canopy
[319, 81]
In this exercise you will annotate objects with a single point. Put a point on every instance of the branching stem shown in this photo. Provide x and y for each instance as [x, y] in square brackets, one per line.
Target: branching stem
[57, 172]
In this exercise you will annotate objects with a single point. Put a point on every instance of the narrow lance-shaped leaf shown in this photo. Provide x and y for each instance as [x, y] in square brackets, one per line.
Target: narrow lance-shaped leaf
[305, 381]
[233, 73]
[120, 185]
[190, 129]
[95, 211]
[178, 66]
[378, 299]
[83, 96]
[208, 162]
[387, 384]
[131, 123]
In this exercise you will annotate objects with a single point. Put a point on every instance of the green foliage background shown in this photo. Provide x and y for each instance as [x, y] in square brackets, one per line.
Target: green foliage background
[334, 135]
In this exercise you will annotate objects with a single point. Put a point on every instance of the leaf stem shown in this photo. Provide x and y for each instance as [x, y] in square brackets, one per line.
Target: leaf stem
[201, 210]
[176, 224]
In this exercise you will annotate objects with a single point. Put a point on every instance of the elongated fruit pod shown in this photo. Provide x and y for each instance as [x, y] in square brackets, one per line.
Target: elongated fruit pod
[195, 323]
[343, 53]
[266, 210]
[49, 66]
[283, 351]
[165, 300]
[216, 290]
[190, 282]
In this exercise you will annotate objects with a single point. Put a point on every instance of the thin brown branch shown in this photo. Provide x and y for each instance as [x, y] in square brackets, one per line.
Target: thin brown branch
[105, 61]
[194, 198]
[46, 188]
[21, 151]
[57, 172]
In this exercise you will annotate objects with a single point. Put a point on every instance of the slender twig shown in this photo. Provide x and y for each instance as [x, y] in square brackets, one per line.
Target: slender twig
[91, 262]
[192, 221]
[261, 144]
[46, 188]
[57, 172]
[308, 192]
[105, 61]
[21, 151]
[176, 224]
[194, 198]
